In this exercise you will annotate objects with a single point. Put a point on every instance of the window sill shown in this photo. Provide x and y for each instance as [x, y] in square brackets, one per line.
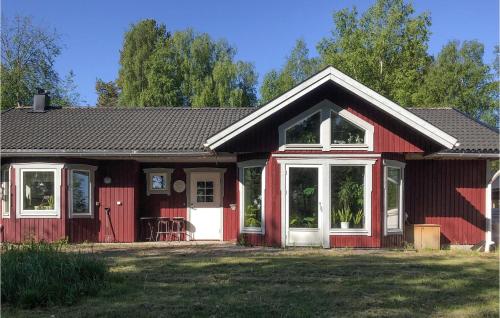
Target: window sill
[252, 231]
[38, 216]
[81, 216]
[394, 232]
[362, 232]
[349, 147]
[303, 147]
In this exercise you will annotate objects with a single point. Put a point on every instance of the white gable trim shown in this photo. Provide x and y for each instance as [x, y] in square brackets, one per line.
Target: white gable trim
[334, 75]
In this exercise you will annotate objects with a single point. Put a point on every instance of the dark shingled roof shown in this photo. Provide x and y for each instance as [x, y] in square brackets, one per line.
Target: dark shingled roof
[473, 135]
[169, 130]
[176, 130]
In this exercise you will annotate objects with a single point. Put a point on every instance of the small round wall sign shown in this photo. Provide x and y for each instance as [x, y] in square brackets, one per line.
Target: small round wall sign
[179, 186]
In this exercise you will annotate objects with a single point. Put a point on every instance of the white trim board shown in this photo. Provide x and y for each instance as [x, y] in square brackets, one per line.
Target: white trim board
[339, 78]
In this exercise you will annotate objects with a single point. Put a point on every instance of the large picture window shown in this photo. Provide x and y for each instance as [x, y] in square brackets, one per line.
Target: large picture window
[347, 197]
[81, 191]
[393, 196]
[5, 192]
[39, 190]
[252, 180]
[326, 126]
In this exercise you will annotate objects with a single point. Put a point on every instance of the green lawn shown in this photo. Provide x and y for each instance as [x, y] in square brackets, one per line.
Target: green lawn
[160, 280]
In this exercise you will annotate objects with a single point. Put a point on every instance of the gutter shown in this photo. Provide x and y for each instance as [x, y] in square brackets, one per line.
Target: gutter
[463, 155]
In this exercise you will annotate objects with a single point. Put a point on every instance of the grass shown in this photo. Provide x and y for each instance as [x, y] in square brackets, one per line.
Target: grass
[42, 274]
[150, 280]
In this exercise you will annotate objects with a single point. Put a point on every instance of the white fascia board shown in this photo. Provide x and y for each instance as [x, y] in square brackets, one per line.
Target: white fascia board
[334, 75]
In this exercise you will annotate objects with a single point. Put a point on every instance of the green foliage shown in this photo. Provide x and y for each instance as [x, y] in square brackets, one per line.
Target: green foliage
[28, 56]
[358, 218]
[182, 69]
[344, 215]
[252, 218]
[138, 45]
[385, 48]
[107, 93]
[459, 78]
[298, 67]
[42, 274]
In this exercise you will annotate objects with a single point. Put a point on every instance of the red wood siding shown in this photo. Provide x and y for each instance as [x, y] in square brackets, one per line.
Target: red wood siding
[124, 176]
[175, 204]
[18, 230]
[450, 193]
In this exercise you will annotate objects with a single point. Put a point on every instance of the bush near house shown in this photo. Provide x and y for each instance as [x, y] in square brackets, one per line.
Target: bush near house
[43, 274]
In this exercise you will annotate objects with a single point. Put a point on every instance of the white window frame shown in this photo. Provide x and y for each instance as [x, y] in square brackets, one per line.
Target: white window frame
[252, 164]
[164, 172]
[91, 171]
[6, 185]
[401, 166]
[367, 196]
[22, 213]
[325, 108]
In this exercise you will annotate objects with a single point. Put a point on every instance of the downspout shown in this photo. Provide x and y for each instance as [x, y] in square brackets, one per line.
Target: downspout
[490, 177]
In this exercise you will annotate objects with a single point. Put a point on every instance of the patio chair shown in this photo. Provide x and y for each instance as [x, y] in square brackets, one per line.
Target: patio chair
[164, 227]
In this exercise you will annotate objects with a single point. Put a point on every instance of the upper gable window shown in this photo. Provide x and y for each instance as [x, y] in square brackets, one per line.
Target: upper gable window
[326, 126]
[306, 131]
[345, 132]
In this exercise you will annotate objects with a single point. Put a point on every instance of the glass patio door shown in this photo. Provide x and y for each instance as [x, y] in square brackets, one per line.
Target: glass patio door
[303, 210]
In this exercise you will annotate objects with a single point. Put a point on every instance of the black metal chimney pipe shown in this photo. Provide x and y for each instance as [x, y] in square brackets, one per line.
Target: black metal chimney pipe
[41, 101]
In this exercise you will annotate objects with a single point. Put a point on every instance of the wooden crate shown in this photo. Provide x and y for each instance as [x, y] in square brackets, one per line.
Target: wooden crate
[424, 236]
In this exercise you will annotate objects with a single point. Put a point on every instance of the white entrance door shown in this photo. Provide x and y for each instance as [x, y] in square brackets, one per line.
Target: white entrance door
[303, 209]
[205, 213]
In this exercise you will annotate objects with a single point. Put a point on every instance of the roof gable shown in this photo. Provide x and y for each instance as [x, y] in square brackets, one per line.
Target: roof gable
[339, 78]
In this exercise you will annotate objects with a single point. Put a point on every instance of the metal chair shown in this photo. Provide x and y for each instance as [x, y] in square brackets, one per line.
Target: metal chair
[164, 227]
[178, 228]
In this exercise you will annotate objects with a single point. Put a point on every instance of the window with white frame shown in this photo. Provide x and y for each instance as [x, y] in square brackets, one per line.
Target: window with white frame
[5, 191]
[393, 196]
[252, 189]
[305, 132]
[328, 127]
[38, 193]
[81, 190]
[350, 197]
[158, 180]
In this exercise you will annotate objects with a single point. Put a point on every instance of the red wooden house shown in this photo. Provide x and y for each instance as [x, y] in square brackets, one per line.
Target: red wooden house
[329, 163]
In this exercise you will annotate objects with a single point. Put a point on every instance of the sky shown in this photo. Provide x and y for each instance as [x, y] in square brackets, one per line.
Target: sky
[263, 31]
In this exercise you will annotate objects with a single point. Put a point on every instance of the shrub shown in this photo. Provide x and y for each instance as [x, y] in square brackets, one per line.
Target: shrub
[42, 274]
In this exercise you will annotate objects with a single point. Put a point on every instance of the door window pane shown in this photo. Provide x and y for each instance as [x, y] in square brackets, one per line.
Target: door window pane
[80, 190]
[252, 180]
[305, 132]
[38, 191]
[347, 197]
[344, 132]
[204, 191]
[303, 198]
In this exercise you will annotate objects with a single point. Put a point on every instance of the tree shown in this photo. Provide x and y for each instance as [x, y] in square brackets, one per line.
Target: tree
[297, 68]
[138, 45]
[107, 93]
[385, 48]
[183, 69]
[459, 78]
[28, 56]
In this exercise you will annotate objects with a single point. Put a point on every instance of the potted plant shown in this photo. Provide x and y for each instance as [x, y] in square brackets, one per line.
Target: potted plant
[345, 216]
[358, 218]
